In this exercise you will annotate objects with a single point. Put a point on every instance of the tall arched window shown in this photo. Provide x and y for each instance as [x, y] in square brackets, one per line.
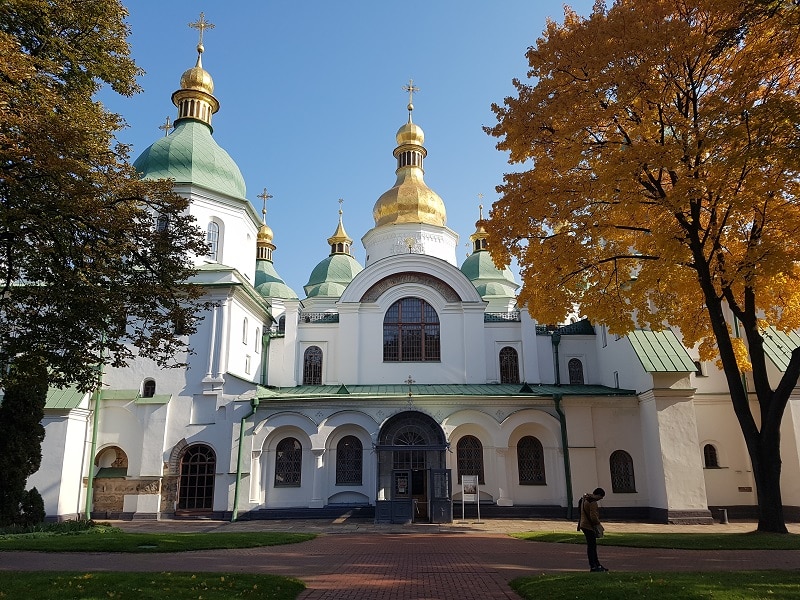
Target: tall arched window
[257, 341]
[282, 323]
[288, 463]
[196, 485]
[530, 461]
[349, 458]
[245, 326]
[509, 365]
[469, 457]
[149, 388]
[212, 239]
[710, 457]
[411, 332]
[575, 367]
[622, 479]
[312, 366]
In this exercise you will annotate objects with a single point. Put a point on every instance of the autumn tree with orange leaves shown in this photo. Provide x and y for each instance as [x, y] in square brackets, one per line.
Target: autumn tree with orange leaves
[660, 149]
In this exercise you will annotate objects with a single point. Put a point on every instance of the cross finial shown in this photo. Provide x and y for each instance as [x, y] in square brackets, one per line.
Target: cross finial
[480, 206]
[264, 196]
[201, 24]
[410, 88]
[166, 126]
[409, 382]
[341, 201]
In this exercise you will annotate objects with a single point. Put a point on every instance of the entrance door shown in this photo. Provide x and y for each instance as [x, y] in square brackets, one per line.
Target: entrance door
[419, 492]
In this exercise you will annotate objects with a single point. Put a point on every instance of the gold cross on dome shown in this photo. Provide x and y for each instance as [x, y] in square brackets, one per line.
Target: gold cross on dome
[264, 196]
[410, 88]
[166, 126]
[201, 24]
[341, 201]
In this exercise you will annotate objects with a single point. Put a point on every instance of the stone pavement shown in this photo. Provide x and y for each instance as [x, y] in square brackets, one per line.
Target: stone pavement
[359, 560]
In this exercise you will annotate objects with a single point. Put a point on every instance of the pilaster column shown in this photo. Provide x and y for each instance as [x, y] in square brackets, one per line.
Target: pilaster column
[316, 484]
[501, 468]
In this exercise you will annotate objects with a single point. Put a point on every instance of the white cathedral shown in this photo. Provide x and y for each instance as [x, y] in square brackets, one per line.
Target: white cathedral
[383, 388]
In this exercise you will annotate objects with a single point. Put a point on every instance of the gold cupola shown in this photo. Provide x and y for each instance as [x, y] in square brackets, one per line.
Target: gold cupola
[478, 238]
[264, 245]
[410, 200]
[195, 99]
[340, 242]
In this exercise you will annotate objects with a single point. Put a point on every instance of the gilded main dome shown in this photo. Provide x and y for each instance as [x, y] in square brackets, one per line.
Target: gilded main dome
[410, 200]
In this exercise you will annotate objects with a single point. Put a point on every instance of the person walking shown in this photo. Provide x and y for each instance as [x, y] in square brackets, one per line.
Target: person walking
[591, 527]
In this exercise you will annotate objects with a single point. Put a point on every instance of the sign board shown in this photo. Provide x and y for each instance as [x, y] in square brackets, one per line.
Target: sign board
[469, 488]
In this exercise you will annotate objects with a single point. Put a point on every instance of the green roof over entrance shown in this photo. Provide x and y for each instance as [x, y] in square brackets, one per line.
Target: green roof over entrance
[419, 390]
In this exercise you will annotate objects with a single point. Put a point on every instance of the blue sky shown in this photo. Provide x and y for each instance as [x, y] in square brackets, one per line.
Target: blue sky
[311, 98]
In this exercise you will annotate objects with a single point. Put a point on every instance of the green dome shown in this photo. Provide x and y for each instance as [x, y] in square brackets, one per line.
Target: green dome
[480, 269]
[190, 155]
[269, 284]
[330, 277]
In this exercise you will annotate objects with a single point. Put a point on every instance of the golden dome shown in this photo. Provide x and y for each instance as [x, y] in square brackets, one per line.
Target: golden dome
[264, 234]
[410, 133]
[197, 78]
[410, 200]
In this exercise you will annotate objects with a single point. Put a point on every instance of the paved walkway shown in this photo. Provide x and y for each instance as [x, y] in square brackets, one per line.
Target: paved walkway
[358, 560]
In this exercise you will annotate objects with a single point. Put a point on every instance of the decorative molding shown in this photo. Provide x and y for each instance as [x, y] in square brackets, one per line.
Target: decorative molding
[385, 284]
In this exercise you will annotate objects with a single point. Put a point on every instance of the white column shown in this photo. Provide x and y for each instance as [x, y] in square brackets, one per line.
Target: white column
[501, 468]
[316, 500]
[256, 482]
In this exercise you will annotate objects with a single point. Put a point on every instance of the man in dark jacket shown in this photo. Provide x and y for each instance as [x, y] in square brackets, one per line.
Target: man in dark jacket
[591, 527]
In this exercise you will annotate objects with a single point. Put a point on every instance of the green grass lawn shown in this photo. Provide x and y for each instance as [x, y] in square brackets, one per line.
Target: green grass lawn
[743, 585]
[114, 540]
[18, 585]
[678, 541]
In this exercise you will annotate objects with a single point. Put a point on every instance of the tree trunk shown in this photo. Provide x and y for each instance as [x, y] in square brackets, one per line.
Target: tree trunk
[765, 457]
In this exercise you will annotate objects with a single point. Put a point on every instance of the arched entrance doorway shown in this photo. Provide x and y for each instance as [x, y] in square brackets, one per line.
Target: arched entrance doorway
[413, 483]
[196, 482]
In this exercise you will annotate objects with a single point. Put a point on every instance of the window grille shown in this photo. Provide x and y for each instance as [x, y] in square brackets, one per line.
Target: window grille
[212, 239]
[622, 479]
[469, 457]
[411, 332]
[710, 457]
[530, 461]
[509, 365]
[288, 463]
[349, 458]
[575, 367]
[312, 366]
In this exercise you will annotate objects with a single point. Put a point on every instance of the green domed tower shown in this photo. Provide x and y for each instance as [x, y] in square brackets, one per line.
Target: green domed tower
[496, 286]
[331, 276]
[189, 153]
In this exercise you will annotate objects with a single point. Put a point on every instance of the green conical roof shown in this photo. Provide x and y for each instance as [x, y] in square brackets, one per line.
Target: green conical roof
[269, 284]
[191, 155]
[480, 269]
[330, 277]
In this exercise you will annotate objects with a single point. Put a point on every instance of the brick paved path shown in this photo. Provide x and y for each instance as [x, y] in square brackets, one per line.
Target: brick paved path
[435, 565]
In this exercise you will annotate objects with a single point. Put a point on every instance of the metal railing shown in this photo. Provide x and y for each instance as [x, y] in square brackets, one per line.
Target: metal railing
[498, 317]
[319, 317]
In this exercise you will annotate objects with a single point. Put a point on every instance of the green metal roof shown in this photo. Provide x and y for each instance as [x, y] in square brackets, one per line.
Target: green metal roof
[417, 390]
[269, 284]
[64, 399]
[480, 269]
[190, 155]
[661, 351]
[778, 346]
[332, 275]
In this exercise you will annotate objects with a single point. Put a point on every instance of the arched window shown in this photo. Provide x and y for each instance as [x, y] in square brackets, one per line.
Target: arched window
[244, 330]
[257, 341]
[509, 365]
[196, 485]
[312, 366]
[149, 388]
[411, 332]
[622, 479]
[530, 461]
[162, 224]
[288, 463]
[212, 239]
[282, 324]
[469, 457]
[575, 367]
[710, 457]
[349, 457]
